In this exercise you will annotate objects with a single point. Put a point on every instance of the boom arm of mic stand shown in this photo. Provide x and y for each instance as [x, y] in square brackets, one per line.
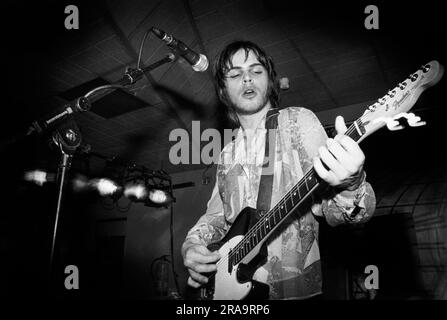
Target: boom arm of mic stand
[133, 75]
[83, 103]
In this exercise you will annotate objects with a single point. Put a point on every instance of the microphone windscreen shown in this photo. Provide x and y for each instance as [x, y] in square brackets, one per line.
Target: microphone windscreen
[202, 64]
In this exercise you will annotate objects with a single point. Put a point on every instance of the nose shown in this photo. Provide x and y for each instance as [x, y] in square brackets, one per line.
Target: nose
[247, 77]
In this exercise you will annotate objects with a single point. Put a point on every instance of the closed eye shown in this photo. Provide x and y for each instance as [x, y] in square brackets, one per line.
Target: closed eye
[233, 75]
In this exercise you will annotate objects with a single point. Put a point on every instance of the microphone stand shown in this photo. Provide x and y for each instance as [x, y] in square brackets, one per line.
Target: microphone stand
[67, 136]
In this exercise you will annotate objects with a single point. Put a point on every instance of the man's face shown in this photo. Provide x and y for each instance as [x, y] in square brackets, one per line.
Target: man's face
[247, 84]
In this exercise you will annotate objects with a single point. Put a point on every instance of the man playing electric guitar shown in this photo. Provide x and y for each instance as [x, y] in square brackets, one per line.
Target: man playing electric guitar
[246, 84]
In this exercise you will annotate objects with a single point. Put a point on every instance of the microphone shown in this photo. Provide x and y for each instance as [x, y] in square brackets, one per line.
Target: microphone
[198, 61]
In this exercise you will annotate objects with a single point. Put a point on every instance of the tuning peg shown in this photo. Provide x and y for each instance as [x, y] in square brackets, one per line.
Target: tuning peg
[414, 121]
[413, 77]
[393, 125]
[425, 68]
[402, 85]
[391, 93]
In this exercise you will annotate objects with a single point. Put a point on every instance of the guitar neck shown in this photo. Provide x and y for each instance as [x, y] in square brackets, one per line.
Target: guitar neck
[265, 226]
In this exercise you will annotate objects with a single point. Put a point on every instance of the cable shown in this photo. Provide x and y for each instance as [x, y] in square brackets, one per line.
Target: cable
[107, 86]
[141, 48]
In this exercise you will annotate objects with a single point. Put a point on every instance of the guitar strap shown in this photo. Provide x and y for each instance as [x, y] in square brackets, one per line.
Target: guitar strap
[266, 183]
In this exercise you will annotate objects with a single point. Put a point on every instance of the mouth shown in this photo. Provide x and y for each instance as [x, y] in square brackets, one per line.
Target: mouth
[249, 93]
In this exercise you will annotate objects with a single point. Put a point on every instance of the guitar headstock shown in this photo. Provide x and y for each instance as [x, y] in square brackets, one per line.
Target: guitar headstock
[395, 104]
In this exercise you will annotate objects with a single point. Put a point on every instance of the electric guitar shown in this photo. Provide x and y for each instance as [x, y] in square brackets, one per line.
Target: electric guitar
[244, 246]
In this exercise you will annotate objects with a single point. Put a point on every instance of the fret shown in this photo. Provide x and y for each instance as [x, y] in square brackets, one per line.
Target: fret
[261, 230]
[305, 183]
[290, 194]
[278, 211]
[288, 202]
[271, 222]
[277, 215]
[297, 193]
[266, 225]
[303, 189]
[282, 208]
[311, 180]
[253, 240]
[258, 233]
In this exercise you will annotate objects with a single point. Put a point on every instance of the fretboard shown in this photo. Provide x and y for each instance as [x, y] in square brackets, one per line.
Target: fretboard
[264, 227]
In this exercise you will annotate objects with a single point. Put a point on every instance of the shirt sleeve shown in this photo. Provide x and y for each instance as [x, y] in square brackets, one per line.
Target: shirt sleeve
[211, 226]
[355, 206]
[337, 207]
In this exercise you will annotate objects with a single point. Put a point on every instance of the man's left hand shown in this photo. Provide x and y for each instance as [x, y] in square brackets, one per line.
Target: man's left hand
[343, 159]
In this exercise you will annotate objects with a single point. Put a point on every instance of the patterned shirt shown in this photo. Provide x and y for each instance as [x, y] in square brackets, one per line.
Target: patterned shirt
[292, 269]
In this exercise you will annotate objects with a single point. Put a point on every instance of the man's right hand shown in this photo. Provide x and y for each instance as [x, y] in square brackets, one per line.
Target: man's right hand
[198, 259]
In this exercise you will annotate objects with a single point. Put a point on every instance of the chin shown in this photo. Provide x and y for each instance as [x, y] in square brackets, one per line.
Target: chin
[249, 108]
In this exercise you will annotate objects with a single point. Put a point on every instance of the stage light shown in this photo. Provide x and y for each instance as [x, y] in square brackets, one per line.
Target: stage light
[39, 177]
[105, 187]
[135, 192]
[160, 197]
[139, 184]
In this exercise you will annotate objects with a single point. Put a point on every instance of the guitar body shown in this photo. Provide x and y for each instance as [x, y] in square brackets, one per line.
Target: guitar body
[234, 282]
